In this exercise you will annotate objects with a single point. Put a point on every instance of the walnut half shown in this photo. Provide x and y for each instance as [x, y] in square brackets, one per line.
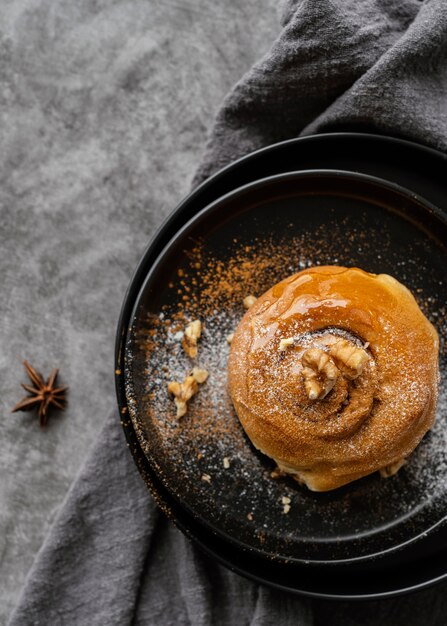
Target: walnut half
[319, 372]
[350, 359]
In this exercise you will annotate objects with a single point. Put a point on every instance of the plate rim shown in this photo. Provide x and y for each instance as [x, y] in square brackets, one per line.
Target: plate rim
[227, 169]
[162, 499]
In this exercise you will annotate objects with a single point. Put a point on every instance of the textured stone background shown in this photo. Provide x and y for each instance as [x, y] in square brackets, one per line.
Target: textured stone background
[104, 109]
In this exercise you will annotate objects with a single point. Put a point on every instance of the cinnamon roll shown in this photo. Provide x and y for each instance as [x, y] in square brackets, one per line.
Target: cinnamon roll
[333, 373]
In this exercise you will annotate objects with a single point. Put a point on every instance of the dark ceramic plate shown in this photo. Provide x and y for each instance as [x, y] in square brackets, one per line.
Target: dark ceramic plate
[421, 568]
[242, 244]
[410, 249]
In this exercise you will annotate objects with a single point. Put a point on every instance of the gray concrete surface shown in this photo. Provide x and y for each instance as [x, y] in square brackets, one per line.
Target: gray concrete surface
[104, 109]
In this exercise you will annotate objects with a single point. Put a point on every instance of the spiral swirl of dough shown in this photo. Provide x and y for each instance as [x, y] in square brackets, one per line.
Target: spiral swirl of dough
[367, 422]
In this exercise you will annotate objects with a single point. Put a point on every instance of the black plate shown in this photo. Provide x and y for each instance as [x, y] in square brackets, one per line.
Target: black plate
[288, 151]
[273, 228]
[377, 580]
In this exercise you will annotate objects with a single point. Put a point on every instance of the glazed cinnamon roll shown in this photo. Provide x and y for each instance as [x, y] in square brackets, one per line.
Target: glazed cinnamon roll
[333, 373]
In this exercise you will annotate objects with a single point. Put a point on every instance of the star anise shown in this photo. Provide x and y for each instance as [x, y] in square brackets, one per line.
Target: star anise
[42, 394]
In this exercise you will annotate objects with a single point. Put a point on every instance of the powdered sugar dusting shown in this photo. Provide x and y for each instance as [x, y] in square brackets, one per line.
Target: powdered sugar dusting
[243, 501]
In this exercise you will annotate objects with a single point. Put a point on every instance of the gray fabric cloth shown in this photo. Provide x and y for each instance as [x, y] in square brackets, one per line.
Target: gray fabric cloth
[365, 65]
[111, 557]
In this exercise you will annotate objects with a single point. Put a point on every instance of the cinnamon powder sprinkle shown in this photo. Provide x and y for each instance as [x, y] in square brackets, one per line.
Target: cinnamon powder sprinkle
[216, 292]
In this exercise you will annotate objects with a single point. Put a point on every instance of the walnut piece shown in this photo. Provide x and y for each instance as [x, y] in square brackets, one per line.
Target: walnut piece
[190, 336]
[393, 468]
[184, 391]
[350, 359]
[277, 473]
[319, 372]
[249, 301]
[230, 338]
[285, 343]
[199, 375]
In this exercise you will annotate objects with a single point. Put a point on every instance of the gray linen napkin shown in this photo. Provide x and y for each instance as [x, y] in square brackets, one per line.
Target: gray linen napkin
[377, 65]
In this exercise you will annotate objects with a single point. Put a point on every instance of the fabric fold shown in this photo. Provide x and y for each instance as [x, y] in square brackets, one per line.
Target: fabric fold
[340, 65]
[89, 568]
[405, 92]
